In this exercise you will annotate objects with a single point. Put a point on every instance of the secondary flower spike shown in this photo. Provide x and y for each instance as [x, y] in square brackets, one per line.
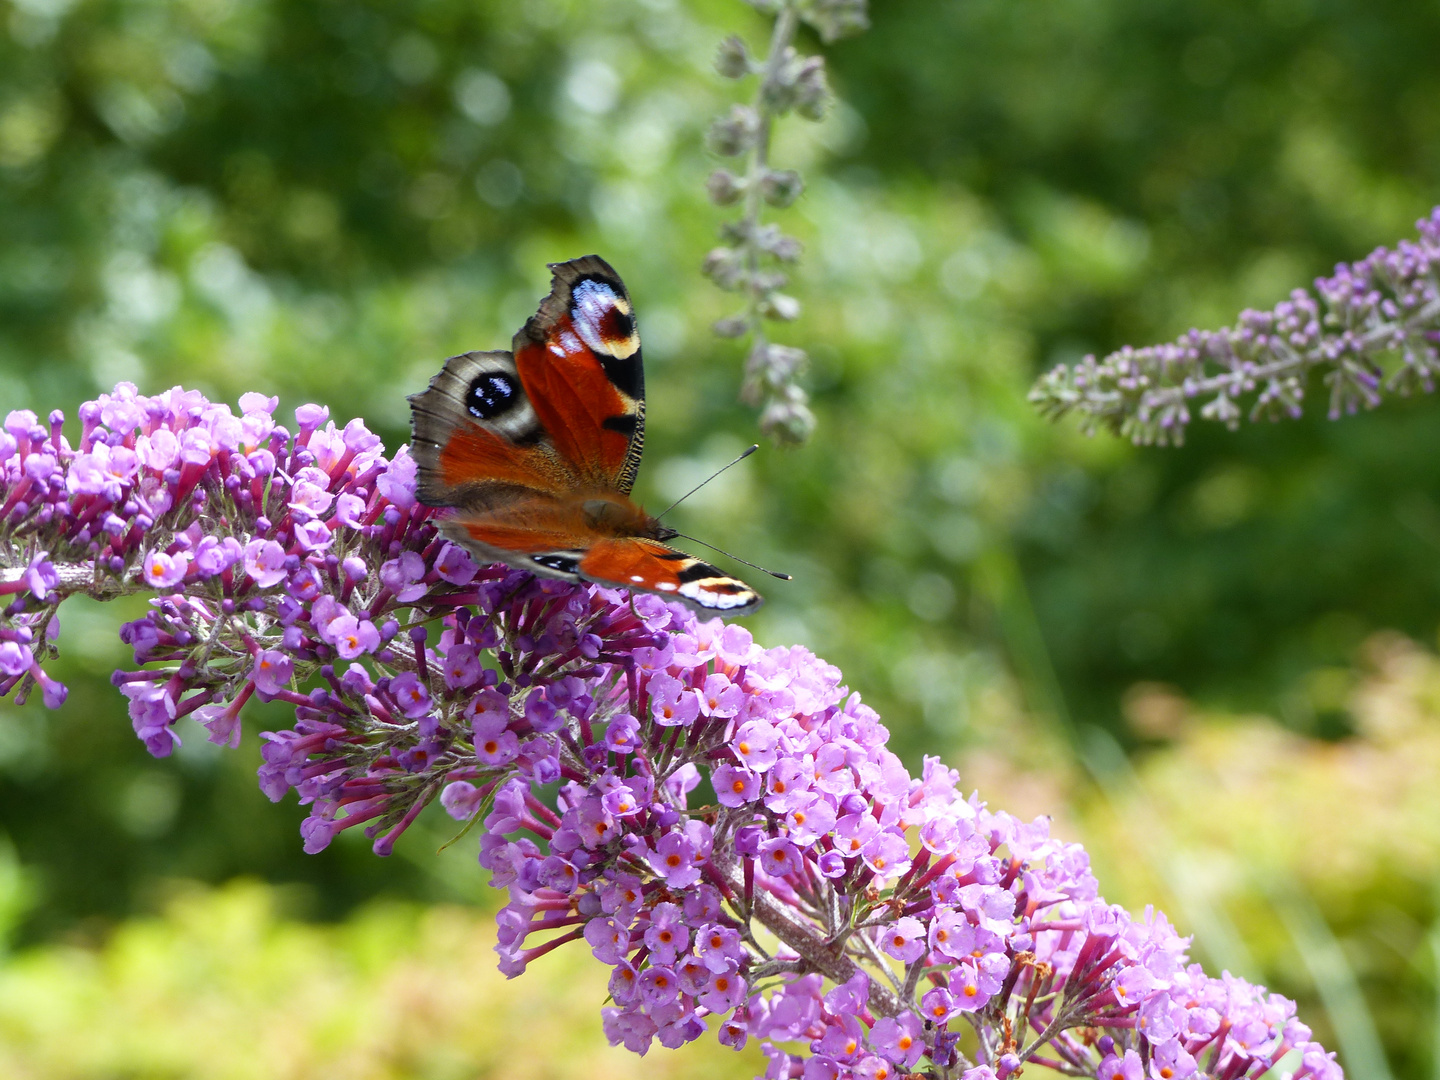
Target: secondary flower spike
[908, 929]
[1373, 328]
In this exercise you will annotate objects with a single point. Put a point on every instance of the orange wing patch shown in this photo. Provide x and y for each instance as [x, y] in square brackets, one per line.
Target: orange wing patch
[473, 452]
[579, 360]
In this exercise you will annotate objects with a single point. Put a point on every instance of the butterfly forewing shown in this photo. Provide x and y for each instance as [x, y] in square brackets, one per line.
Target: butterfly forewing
[579, 360]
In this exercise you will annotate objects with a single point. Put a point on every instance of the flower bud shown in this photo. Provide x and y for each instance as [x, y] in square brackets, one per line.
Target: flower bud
[780, 306]
[732, 326]
[768, 281]
[785, 248]
[734, 134]
[733, 59]
[770, 369]
[780, 188]
[726, 267]
[725, 187]
[775, 365]
[834, 19]
[812, 89]
[788, 418]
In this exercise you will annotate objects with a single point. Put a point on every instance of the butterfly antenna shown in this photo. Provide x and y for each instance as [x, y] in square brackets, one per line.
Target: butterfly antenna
[697, 487]
[747, 562]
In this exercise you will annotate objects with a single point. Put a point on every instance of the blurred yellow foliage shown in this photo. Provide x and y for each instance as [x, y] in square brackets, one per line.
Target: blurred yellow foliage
[223, 988]
[1256, 799]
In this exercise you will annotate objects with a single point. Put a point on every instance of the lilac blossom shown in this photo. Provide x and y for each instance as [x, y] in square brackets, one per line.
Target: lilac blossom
[577, 727]
[1373, 328]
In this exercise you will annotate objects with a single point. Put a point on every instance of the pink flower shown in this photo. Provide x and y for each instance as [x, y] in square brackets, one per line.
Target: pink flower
[265, 562]
[404, 576]
[159, 450]
[461, 799]
[162, 571]
[901, 1039]
[454, 565]
[497, 749]
[778, 857]
[353, 637]
[462, 667]
[271, 672]
[904, 939]
[313, 535]
[410, 694]
[350, 510]
[671, 703]
[726, 990]
[397, 483]
[735, 787]
[15, 659]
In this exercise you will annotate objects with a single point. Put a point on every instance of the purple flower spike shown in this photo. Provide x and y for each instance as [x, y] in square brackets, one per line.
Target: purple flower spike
[583, 732]
[1371, 328]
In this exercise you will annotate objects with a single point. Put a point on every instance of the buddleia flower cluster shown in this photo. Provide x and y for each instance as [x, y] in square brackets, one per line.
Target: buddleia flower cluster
[722, 825]
[1373, 328]
[751, 257]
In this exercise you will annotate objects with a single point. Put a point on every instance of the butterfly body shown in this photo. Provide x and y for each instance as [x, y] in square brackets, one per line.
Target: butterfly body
[535, 451]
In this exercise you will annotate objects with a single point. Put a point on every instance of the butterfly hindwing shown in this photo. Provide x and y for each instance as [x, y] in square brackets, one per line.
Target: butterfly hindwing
[579, 360]
[476, 435]
[638, 563]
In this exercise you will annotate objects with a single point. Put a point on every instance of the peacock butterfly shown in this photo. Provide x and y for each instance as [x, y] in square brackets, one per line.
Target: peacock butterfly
[535, 451]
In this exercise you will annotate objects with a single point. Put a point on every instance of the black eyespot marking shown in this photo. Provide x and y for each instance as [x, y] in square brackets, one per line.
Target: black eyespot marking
[617, 325]
[623, 424]
[491, 394]
[565, 564]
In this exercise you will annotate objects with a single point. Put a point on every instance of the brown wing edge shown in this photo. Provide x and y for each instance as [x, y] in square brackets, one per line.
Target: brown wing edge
[563, 276]
[434, 413]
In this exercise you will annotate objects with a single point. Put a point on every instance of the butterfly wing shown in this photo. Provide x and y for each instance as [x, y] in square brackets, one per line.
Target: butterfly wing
[638, 563]
[477, 440]
[578, 359]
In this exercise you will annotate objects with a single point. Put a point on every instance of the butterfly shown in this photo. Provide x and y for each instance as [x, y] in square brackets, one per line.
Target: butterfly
[535, 451]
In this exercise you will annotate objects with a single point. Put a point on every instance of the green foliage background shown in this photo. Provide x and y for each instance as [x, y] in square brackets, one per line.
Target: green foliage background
[322, 199]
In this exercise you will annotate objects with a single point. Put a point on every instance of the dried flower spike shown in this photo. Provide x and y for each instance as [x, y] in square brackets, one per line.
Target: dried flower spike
[788, 82]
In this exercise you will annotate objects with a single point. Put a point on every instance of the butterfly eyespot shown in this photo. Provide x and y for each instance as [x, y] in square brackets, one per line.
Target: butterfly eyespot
[492, 394]
[617, 325]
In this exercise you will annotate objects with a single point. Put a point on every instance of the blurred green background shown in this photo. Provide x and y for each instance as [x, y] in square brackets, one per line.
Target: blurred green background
[1203, 662]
